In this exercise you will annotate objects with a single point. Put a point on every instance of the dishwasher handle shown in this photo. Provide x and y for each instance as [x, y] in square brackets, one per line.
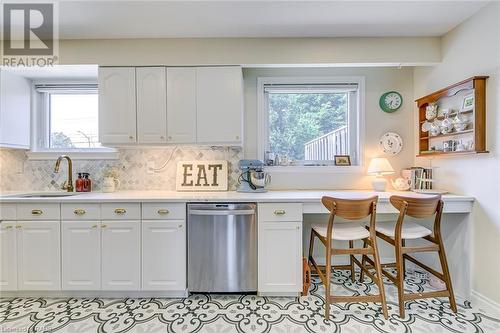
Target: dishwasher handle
[208, 212]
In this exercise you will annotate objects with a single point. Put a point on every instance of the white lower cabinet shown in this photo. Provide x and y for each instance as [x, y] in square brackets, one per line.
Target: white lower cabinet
[8, 256]
[280, 257]
[38, 252]
[81, 255]
[121, 255]
[164, 255]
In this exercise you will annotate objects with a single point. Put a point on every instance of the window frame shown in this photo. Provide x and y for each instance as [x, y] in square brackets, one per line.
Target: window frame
[40, 127]
[263, 120]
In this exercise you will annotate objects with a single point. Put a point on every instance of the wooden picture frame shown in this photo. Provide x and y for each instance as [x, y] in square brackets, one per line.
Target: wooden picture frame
[342, 160]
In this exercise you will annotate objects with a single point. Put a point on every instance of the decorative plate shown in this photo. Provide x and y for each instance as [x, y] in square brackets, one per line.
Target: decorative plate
[391, 101]
[391, 143]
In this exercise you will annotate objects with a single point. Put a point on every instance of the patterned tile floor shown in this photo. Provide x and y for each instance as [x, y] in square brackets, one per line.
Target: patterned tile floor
[233, 313]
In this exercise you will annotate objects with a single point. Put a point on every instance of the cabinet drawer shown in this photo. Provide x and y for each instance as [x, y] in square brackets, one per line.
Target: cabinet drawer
[44, 211]
[163, 211]
[80, 212]
[8, 211]
[121, 211]
[291, 212]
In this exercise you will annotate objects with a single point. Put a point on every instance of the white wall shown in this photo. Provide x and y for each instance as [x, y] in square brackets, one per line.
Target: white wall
[377, 122]
[473, 48]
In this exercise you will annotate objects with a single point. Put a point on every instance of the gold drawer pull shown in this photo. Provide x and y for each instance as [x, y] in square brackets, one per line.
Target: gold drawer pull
[36, 212]
[8, 227]
[103, 226]
[94, 226]
[120, 211]
[163, 211]
[279, 212]
[79, 212]
[18, 227]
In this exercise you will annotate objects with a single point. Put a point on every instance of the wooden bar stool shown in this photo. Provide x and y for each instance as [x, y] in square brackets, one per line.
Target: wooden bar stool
[396, 233]
[349, 209]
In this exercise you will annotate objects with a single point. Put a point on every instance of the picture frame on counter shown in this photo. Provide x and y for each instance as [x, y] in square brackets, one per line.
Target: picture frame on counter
[342, 160]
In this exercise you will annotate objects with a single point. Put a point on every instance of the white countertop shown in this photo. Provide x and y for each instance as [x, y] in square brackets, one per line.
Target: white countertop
[305, 196]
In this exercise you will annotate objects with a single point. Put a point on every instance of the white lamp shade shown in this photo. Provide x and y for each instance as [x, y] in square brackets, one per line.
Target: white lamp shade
[380, 166]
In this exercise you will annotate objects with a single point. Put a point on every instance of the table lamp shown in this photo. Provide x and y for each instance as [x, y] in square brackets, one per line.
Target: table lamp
[379, 167]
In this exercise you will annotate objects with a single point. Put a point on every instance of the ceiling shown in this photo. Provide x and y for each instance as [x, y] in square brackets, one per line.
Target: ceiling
[183, 19]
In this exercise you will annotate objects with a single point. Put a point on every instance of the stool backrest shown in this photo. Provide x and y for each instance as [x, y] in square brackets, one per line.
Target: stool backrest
[350, 209]
[417, 207]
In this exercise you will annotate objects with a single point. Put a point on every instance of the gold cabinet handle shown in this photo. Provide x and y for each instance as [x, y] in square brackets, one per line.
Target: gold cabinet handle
[8, 227]
[131, 137]
[180, 226]
[279, 212]
[37, 212]
[163, 211]
[79, 212]
[120, 211]
[94, 226]
[103, 226]
[19, 226]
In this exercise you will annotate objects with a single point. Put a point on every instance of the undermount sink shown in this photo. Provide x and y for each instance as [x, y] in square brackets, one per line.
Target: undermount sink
[45, 195]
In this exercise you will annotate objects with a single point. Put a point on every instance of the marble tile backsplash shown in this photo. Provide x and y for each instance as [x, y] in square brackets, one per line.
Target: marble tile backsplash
[17, 173]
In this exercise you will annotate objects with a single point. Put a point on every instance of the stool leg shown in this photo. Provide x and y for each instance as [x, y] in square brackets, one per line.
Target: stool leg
[363, 261]
[328, 277]
[311, 246]
[400, 278]
[380, 282]
[403, 243]
[446, 273]
[353, 275]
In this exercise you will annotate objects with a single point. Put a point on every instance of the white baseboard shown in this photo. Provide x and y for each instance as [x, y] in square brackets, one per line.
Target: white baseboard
[481, 301]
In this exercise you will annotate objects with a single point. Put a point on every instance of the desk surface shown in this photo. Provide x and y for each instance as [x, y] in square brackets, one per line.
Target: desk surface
[310, 199]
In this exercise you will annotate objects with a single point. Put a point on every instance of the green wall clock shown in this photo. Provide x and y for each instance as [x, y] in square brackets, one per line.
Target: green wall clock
[391, 101]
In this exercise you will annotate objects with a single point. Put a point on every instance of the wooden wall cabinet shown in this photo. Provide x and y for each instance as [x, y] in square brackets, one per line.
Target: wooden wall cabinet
[451, 98]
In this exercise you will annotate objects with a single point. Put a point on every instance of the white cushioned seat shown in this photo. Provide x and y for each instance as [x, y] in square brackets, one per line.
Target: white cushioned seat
[410, 229]
[344, 231]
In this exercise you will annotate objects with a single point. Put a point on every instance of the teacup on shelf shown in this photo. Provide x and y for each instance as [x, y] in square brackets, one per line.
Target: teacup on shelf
[435, 129]
[431, 111]
[460, 127]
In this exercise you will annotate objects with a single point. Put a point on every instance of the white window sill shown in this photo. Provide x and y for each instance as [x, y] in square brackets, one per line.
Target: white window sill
[98, 154]
[333, 169]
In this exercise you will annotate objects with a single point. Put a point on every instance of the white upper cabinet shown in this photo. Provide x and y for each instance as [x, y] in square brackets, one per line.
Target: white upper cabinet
[177, 105]
[151, 104]
[15, 99]
[117, 105]
[181, 105]
[219, 104]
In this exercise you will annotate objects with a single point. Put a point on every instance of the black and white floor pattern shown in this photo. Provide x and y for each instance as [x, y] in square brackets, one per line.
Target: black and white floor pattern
[237, 313]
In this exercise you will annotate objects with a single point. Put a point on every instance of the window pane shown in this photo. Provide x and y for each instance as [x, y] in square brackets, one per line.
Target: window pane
[73, 121]
[308, 126]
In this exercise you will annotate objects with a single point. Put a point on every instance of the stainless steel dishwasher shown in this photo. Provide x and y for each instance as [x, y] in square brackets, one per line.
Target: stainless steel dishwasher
[222, 247]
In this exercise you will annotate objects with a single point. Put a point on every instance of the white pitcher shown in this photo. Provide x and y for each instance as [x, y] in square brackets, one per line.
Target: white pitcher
[110, 184]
